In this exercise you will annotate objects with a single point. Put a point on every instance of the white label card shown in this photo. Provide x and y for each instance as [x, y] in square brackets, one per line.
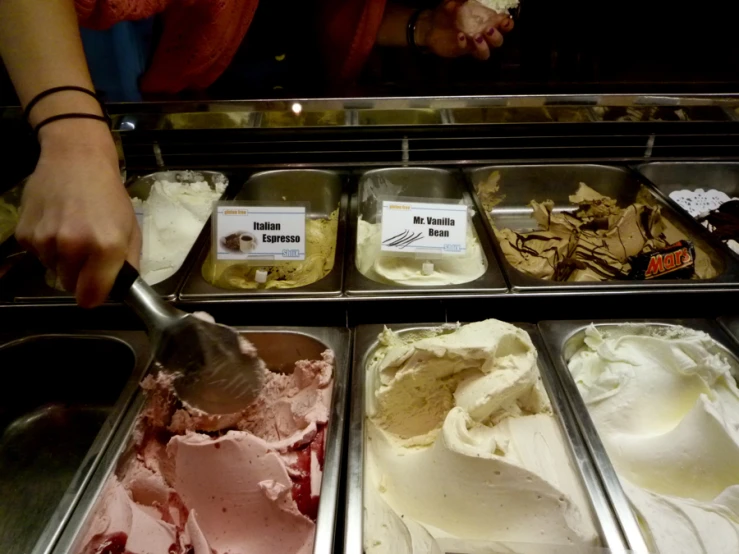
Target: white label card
[424, 227]
[274, 233]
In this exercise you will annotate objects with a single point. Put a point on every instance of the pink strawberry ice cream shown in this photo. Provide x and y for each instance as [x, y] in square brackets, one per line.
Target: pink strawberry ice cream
[244, 483]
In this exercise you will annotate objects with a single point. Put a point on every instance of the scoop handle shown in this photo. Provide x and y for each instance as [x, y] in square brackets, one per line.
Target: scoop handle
[132, 290]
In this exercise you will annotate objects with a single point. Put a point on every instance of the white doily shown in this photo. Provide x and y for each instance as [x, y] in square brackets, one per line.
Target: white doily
[698, 202]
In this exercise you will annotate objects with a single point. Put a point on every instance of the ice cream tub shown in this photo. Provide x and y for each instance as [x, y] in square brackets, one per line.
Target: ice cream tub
[656, 401]
[699, 190]
[372, 272]
[63, 396]
[377, 520]
[227, 489]
[402, 116]
[172, 209]
[319, 274]
[593, 227]
[658, 113]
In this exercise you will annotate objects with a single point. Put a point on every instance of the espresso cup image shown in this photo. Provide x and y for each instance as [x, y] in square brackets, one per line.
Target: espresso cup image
[247, 242]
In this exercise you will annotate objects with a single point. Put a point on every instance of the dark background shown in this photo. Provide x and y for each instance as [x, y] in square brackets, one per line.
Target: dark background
[557, 48]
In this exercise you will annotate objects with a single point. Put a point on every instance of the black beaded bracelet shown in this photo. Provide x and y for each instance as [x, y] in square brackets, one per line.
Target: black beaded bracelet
[59, 117]
[410, 30]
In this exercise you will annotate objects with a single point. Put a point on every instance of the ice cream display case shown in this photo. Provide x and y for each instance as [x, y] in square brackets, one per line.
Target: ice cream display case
[55, 425]
[176, 479]
[372, 270]
[657, 404]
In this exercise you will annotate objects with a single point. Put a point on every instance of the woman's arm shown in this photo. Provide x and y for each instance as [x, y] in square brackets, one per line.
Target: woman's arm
[75, 214]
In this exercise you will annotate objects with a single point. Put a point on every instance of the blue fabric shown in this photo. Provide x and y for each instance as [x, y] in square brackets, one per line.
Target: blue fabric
[117, 57]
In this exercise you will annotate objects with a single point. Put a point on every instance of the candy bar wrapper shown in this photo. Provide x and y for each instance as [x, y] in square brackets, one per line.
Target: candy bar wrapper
[676, 261]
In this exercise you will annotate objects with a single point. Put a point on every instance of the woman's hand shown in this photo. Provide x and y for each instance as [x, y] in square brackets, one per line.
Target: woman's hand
[459, 27]
[75, 214]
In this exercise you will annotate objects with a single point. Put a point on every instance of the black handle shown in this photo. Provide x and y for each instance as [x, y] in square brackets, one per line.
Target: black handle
[126, 277]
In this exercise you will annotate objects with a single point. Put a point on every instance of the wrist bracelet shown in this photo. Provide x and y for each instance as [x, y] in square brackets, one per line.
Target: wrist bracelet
[48, 92]
[410, 30]
[59, 117]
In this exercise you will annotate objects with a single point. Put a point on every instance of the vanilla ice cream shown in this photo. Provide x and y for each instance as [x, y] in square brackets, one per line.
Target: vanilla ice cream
[173, 216]
[408, 270]
[461, 444]
[666, 406]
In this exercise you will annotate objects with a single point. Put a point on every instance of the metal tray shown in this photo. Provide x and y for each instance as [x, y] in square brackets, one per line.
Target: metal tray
[323, 189]
[668, 177]
[561, 339]
[32, 288]
[659, 113]
[401, 116]
[547, 114]
[417, 182]
[730, 324]
[62, 398]
[280, 348]
[364, 347]
[522, 183]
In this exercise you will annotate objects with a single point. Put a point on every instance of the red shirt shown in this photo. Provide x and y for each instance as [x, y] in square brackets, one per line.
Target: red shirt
[201, 37]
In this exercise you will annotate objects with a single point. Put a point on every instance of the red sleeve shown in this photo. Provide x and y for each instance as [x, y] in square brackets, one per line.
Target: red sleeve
[103, 14]
[348, 32]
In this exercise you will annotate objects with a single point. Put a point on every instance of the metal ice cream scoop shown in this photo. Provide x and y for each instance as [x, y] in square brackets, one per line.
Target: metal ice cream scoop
[213, 375]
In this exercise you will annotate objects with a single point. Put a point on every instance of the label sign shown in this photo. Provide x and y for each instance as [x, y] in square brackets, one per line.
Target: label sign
[424, 227]
[259, 233]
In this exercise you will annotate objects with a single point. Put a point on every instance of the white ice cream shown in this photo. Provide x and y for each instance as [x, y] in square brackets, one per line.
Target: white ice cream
[174, 215]
[462, 445]
[666, 406]
[499, 6]
[409, 271]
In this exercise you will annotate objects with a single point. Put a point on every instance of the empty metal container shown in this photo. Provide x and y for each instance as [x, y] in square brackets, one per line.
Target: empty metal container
[280, 348]
[520, 184]
[419, 184]
[323, 191]
[62, 398]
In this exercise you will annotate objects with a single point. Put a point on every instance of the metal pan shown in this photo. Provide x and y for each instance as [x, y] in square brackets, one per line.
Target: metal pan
[323, 190]
[523, 183]
[55, 425]
[544, 114]
[366, 345]
[417, 182]
[33, 288]
[562, 338]
[668, 177]
[280, 348]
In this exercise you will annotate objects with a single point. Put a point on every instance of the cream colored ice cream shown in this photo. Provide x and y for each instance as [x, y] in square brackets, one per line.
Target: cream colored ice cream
[174, 215]
[666, 406]
[408, 271]
[461, 444]
[320, 250]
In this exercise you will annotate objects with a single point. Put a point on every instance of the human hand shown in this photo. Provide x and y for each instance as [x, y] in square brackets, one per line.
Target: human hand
[459, 27]
[75, 213]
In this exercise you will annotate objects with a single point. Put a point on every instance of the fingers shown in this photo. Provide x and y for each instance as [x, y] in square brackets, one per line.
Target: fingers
[134, 247]
[494, 38]
[506, 24]
[480, 49]
[98, 273]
